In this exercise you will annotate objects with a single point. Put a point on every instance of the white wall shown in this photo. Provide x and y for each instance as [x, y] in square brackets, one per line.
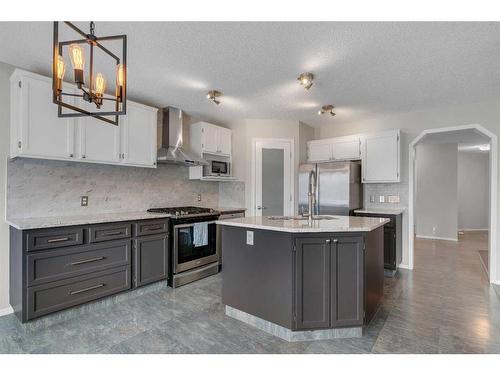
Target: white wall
[412, 124]
[473, 190]
[436, 205]
[246, 130]
[5, 72]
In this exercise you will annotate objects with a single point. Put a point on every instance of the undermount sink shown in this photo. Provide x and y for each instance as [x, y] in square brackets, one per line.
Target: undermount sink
[317, 217]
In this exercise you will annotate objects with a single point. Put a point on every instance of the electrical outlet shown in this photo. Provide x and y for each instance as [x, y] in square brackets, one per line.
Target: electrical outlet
[433, 230]
[249, 237]
[393, 198]
[84, 200]
[381, 199]
[372, 198]
[198, 197]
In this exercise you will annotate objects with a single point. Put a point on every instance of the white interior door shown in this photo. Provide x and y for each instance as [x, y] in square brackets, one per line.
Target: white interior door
[273, 187]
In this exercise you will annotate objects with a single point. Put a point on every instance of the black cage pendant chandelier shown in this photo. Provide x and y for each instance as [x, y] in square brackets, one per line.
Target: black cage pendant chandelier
[94, 90]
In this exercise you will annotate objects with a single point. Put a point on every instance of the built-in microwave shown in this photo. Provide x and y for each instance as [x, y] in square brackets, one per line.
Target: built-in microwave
[217, 168]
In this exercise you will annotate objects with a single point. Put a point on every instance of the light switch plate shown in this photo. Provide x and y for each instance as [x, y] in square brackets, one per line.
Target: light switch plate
[198, 197]
[249, 237]
[381, 199]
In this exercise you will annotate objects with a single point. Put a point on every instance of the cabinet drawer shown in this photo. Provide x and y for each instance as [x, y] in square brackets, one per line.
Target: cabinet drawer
[54, 238]
[62, 294]
[148, 227]
[108, 232]
[52, 265]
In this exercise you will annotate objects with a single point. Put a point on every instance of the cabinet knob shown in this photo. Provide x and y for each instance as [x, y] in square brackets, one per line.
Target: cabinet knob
[335, 240]
[84, 156]
[328, 241]
[70, 155]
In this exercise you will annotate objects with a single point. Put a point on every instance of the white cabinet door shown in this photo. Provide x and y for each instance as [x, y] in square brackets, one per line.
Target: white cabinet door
[99, 140]
[40, 132]
[224, 140]
[138, 135]
[210, 138]
[318, 151]
[346, 149]
[381, 159]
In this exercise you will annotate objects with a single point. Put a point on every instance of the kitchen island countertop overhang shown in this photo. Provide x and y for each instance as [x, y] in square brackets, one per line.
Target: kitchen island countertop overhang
[334, 224]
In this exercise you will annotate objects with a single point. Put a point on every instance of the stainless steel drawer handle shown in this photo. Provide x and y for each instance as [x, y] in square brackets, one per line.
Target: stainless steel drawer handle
[86, 289]
[61, 239]
[113, 233]
[87, 261]
[158, 227]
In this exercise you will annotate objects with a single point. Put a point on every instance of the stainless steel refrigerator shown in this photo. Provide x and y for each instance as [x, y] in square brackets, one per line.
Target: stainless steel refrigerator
[338, 187]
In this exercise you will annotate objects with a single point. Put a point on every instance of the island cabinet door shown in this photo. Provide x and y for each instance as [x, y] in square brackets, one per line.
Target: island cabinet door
[347, 297]
[312, 298]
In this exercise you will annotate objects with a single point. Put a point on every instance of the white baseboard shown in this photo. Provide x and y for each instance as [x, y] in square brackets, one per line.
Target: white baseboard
[437, 238]
[6, 311]
[404, 265]
[473, 230]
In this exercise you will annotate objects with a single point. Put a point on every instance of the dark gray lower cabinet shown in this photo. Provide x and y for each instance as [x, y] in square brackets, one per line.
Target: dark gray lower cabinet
[55, 268]
[306, 281]
[312, 283]
[347, 282]
[150, 259]
[393, 239]
[329, 282]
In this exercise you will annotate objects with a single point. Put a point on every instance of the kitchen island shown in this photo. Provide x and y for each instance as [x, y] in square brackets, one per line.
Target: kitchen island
[300, 279]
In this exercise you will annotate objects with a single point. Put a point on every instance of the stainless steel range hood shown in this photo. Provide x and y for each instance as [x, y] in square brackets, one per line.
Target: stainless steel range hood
[171, 150]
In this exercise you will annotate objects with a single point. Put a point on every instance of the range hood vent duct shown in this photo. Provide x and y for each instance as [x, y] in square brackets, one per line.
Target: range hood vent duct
[171, 150]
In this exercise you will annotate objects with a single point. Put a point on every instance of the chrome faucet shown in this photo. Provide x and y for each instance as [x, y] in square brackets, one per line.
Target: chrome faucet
[311, 195]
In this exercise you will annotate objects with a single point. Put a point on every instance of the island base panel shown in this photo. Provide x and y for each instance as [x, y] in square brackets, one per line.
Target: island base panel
[288, 334]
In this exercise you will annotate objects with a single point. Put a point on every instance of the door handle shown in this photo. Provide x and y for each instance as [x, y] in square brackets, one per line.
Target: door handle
[261, 207]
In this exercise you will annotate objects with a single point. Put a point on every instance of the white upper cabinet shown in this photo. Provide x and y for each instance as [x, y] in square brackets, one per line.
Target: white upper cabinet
[224, 140]
[138, 135]
[346, 148]
[340, 148]
[381, 157]
[318, 151]
[99, 141]
[38, 132]
[210, 139]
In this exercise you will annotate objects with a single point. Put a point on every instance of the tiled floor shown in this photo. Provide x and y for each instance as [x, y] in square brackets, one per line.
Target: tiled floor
[444, 306]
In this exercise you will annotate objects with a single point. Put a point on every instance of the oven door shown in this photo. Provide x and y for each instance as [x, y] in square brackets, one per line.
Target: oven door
[191, 252]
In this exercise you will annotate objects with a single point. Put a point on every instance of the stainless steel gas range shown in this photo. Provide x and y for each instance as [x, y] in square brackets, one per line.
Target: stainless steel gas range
[193, 243]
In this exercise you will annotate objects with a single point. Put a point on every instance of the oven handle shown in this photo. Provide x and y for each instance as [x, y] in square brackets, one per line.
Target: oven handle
[192, 224]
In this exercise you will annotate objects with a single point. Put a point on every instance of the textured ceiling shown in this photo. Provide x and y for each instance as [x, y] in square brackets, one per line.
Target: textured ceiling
[363, 69]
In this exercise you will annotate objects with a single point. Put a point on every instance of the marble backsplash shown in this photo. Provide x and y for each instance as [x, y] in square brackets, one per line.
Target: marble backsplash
[377, 190]
[40, 188]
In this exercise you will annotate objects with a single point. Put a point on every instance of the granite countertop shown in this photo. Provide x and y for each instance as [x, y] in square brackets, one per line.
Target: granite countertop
[229, 210]
[383, 210]
[63, 221]
[338, 224]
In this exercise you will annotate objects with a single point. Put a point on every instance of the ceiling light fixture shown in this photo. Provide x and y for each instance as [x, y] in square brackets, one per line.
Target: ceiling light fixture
[94, 92]
[327, 109]
[212, 95]
[306, 80]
